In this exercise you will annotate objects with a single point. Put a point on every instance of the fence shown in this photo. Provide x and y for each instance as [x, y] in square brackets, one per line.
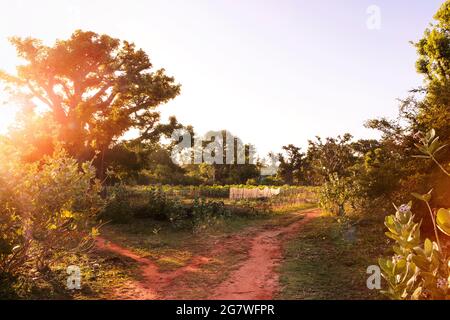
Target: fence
[255, 193]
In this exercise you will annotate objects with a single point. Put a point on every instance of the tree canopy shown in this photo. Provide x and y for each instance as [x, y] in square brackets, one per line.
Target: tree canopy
[95, 88]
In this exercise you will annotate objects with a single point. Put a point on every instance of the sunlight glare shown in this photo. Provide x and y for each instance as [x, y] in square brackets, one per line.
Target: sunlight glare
[7, 117]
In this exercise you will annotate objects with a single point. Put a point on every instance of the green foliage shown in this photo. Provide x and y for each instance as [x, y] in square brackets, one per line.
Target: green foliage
[434, 64]
[293, 166]
[107, 86]
[46, 210]
[378, 174]
[335, 194]
[194, 207]
[251, 207]
[443, 220]
[214, 191]
[429, 147]
[418, 270]
[12, 239]
[159, 206]
[206, 213]
[335, 155]
[118, 208]
[434, 55]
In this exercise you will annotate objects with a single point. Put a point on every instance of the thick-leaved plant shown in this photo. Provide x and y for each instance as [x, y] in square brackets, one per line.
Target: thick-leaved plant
[47, 210]
[418, 270]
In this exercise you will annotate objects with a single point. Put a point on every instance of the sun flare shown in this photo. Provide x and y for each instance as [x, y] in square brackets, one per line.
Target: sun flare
[7, 117]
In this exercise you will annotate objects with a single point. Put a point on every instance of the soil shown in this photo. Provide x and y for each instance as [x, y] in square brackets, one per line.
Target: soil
[254, 278]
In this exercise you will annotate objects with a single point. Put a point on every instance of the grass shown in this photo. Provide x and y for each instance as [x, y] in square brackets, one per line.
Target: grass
[327, 261]
[324, 261]
[101, 273]
[171, 249]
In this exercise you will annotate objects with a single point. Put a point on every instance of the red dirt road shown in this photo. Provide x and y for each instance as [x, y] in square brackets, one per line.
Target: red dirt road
[255, 278]
[153, 281]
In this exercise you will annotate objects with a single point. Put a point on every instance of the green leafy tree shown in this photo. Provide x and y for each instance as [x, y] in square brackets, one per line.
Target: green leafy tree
[292, 165]
[95, 88]
[434, 63]
[229, 170]
[335, 155]
[336, 194]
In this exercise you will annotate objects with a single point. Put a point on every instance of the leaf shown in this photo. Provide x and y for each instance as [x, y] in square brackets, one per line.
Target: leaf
[421, 156]
[440, 148]
[421, 262]
[421, 148]
[417, 196]
[416, 294]
[385, 265]
[430, 135]
[434, 145]
[400, 267]
[443, 221]
[428, 247]
[423, 197]
[52, 226]
[427, 196]
[390, 224]
[66, 214]
[95, 232]
[393, 236]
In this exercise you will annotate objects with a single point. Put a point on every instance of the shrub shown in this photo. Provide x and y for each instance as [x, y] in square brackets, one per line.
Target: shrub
[118, 207]
[12, 240]
[418, 270]
[214, 191]
[206, 213]
[335, 194]
[250, 207]
[158, 205]
[46, 210]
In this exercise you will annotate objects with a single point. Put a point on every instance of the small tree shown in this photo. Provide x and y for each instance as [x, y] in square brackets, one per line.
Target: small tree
[335, 194]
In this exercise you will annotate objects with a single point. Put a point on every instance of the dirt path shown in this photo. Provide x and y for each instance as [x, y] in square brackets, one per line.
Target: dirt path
[255, 278]
[152, 281]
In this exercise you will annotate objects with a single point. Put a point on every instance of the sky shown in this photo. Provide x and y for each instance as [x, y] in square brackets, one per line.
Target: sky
[271, 72]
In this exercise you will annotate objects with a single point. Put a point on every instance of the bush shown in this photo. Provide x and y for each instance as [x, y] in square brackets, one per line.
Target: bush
[198, 215]
[12, 240]
[250, 207]
[418, 270]
[118, 207]
[206, 213]
[158, 205]
[214, 191]
[336, 194]
[47, 210]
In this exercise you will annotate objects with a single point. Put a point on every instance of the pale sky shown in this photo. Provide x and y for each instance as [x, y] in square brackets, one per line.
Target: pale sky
[272, 72]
